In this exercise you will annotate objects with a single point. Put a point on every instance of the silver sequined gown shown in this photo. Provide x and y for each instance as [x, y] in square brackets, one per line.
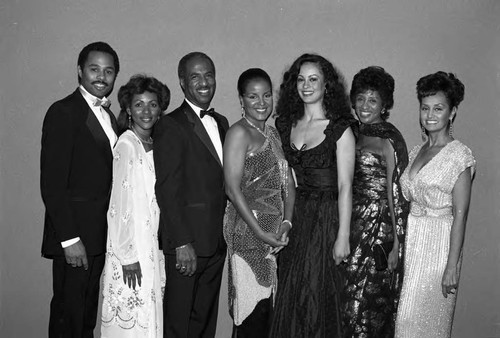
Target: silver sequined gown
[252, 269]
[423, 311]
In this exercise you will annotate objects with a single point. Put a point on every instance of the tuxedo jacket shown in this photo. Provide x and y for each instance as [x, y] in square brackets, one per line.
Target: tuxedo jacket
[76, 173]
[189, 182]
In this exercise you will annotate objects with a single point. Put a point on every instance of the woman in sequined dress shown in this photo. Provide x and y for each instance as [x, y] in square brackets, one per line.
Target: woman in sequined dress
[134, 274]
[379, 210]
[437, 182]
[258, 216]
[314, 120]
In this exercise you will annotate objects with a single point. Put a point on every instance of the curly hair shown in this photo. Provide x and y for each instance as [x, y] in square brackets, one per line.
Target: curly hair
[377, 79]
[335, 102]
[138, 84]
[452, 88]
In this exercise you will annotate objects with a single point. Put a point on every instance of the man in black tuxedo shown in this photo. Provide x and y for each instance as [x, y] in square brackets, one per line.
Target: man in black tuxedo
[190, 193]
[78, 134]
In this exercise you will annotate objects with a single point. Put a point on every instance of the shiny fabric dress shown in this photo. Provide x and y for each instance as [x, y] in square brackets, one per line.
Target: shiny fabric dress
[252, 269]
[371, 296]
[308, 298]
[133, 219]
[423, 311]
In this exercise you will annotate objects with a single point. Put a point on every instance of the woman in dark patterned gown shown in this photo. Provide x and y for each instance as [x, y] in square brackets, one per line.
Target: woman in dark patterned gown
[258, 217]
[379, 210]
[314, 122]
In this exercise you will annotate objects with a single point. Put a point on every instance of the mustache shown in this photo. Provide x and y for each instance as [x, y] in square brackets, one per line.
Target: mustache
[100, 82]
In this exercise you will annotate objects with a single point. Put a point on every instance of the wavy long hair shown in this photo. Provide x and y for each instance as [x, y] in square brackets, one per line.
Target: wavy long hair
[335, 100]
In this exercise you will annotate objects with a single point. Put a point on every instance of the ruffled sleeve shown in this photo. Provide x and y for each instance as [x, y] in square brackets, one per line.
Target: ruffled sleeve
[339, 126]
[121, 214]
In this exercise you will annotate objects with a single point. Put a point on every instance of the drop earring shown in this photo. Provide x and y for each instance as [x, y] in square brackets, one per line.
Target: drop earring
[242, 111]
[424, 135]
[450, 129]
[129, 122]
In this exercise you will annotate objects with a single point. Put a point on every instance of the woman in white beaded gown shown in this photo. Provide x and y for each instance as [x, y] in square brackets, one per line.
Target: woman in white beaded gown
[437, 182]
[134, 276]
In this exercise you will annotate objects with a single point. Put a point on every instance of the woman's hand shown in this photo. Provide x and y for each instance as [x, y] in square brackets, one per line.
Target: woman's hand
[272, 239]
[132, 274]
[449, 283]
[282, 235]
[392, 259]
[341, 249]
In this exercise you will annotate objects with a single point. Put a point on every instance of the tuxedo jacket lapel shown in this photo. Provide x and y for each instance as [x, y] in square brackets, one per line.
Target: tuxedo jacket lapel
[221, 126]
[200, 131]
[99, 135]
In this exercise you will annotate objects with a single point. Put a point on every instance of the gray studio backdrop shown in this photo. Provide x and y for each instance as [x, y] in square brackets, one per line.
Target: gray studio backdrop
[40, 41]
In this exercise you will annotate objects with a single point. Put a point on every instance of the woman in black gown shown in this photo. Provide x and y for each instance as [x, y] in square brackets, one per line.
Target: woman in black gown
[379, 211]
[314, 122]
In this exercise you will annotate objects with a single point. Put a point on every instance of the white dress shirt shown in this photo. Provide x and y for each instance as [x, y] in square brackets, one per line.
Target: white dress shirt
[101, 115]
[211, 127]
[105, 122]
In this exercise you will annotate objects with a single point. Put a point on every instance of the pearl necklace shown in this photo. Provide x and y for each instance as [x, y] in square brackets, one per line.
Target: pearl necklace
[149, 141]
[263, 132]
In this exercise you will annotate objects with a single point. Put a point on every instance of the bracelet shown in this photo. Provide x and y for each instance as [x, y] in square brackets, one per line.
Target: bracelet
[287, 221]
[181, 247]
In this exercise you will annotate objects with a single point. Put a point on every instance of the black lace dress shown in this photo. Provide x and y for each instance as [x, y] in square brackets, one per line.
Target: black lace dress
[308, 297]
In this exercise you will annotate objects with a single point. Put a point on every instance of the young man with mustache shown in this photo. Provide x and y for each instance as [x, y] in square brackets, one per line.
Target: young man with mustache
[78, 135]
[190, 193]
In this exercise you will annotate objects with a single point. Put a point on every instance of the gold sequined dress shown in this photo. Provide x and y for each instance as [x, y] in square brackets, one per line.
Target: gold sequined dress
[371, 296]
[423, 311]
[252, 269]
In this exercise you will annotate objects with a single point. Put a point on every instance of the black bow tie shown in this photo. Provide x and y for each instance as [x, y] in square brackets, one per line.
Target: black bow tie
[210, 112]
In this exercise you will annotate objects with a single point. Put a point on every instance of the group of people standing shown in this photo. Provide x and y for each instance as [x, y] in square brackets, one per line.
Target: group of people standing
[330, 228]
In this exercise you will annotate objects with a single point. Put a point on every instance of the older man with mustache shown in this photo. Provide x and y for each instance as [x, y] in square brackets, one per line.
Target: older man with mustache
[190, 193]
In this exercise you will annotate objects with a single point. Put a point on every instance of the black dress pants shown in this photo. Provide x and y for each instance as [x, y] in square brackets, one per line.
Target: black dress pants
[73, 309]
[191, 304]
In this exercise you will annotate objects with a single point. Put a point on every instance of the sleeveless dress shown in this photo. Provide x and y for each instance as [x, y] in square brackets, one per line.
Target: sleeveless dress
[133, 219]
[371, 296]
[308, 297]
[423, 311]
[252, 269]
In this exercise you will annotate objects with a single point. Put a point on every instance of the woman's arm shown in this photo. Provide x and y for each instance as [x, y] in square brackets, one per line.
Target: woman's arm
[236, 145]
[345, 173]
[123, 211]
[392, 260]
[288, 209]
[461, 200]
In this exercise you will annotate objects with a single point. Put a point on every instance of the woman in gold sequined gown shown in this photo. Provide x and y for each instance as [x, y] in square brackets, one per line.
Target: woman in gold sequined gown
[258, 216]
[379, 210]
[437, 182]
